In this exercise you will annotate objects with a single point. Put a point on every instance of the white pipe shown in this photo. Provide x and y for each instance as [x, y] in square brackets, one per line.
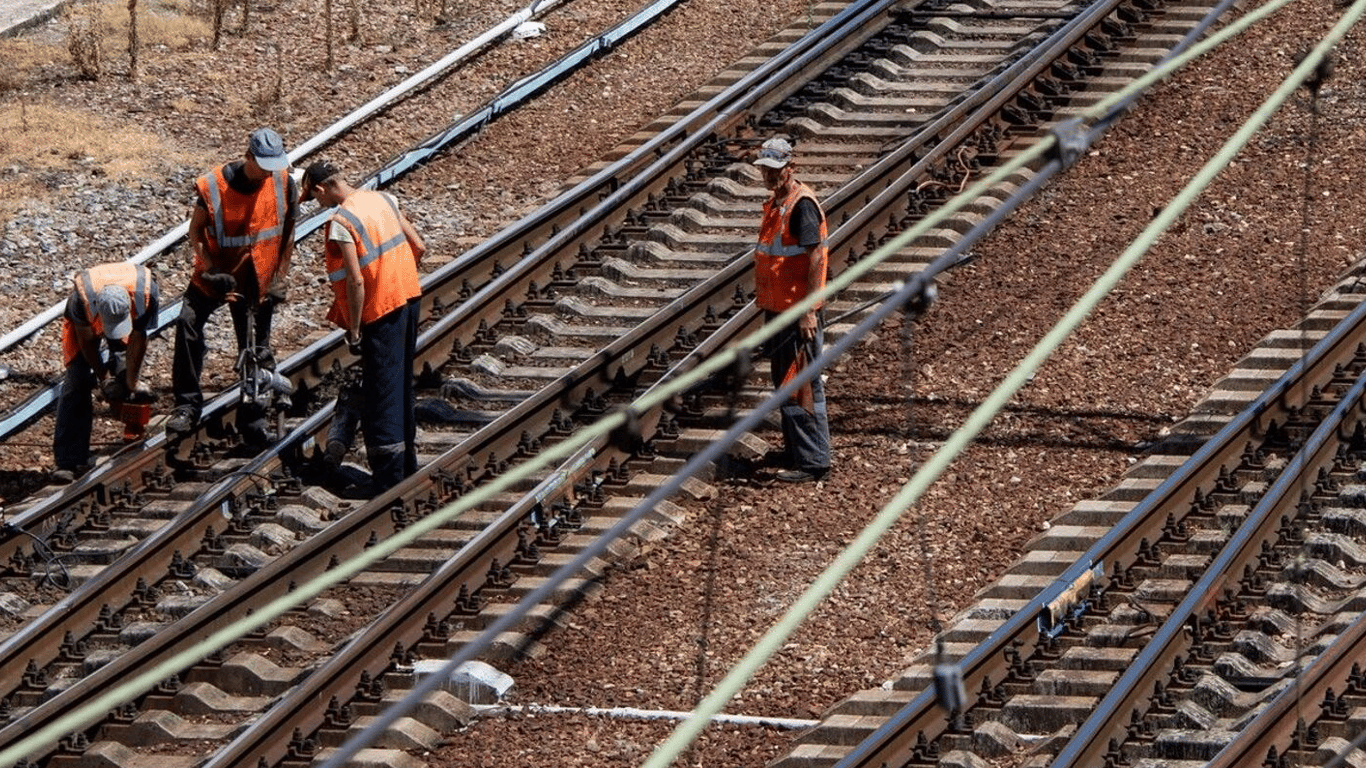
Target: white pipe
[174, 236]
[631, 713]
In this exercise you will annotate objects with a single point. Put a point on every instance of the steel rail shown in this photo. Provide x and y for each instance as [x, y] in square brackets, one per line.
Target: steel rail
[310, 364]
[318, 357]
[1117, 709]
[738, 270]
[1282, 722]
[371, 651]
[894, 741]
[870, 179]
[39, 403]
[345, 538]
[80, 610]
[842, 234]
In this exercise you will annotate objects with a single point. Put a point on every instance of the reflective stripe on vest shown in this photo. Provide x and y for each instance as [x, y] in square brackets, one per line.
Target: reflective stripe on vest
[368, 252]
[388, 266]
[215, 185]
[781, 265]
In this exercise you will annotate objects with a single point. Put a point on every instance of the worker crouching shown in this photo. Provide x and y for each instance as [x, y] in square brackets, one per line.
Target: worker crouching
[114, 304]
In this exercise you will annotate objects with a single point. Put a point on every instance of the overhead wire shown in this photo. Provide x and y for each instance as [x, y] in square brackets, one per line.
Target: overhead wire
[852, 555]
[602, 429]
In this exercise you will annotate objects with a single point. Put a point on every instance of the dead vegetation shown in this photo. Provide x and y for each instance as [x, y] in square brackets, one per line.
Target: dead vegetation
[42, 138]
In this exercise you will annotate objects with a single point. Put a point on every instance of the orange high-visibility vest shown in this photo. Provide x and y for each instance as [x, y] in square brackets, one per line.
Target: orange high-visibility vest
[242, 226]
[388, 266]
[780, 262]
[134, 278]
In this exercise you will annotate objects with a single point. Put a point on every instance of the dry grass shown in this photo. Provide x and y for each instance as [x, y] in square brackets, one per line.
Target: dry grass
[40, 138]
[170, 23]
[174, 25]
[24, 59]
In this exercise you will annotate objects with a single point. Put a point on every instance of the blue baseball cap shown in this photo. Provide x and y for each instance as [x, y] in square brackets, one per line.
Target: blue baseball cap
[268, 149]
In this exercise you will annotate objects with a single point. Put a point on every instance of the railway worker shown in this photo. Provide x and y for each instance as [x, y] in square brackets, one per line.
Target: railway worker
[242, 236]
[114, 303]
[790, 262]
[372, 254]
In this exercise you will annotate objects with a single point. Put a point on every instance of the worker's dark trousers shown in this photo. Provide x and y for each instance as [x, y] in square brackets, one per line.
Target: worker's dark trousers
[75, 412]
[387, 348]
[806, 433]
[188, 364]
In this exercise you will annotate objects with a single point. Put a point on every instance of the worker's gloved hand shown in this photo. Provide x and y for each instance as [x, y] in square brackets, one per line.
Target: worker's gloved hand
[141, 394]
[114, 389]
[353, 342]
[221, 283]
[278, 291]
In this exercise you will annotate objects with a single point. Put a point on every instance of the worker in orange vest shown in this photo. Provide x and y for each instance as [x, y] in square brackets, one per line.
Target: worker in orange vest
[114, 303]
[790, 263]
[242, 235]
[372, 254]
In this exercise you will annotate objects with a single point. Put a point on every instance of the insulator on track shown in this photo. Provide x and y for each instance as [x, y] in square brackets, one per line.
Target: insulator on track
[948, 683]
[628, 435]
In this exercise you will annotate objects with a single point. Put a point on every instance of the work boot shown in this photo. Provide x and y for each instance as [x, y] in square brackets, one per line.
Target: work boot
[336, 451]
[803, 475]
[62, 476]
[183, 421]
[257, 434]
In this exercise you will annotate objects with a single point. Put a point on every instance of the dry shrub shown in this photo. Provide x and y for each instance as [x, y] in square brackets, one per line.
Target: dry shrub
[95, 28]
[267, 97]
[83, 40]
[132, 39]
[41, 136]
[170, 24]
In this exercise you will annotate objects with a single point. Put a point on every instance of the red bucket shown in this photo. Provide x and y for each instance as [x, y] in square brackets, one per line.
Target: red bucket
[134, 417]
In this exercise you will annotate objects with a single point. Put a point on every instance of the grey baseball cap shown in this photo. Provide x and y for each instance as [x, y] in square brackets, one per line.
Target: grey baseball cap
[268, 149]
[113, 307]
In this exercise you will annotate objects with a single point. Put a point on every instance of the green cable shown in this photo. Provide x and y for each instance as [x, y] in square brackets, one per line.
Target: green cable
[136, 685]
[773, 641]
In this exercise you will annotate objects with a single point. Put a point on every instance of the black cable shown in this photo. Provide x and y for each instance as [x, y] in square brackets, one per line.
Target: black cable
[42, 551]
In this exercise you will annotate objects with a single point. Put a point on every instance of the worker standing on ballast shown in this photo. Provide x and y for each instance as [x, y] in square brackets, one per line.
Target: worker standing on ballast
[114, 303]
[790, 263]
[242, 236]
[372, 253]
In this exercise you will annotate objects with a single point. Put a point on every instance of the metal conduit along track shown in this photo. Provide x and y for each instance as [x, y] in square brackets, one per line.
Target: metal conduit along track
[621, 369]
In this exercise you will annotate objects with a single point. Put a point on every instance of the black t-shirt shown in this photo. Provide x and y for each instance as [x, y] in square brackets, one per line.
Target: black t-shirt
[241, 184]
[805, 223]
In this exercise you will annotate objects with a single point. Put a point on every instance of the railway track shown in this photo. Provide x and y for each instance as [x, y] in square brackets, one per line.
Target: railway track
[1175, 599]
[630, 275]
